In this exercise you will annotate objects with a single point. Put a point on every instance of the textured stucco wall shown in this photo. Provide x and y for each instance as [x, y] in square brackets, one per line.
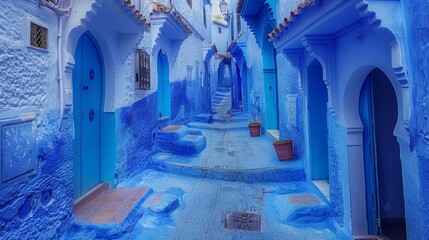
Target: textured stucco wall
[39, 205]
[338, 173]
[417, 29]
[27, 73]
[288, 85]
[255, 78]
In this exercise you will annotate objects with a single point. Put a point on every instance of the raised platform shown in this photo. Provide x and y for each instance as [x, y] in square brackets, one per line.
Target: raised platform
[232, 155]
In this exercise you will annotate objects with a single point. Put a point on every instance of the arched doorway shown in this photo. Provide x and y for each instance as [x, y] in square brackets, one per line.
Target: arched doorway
[164, 98]
[378, 110]
[270, 81]
[88, 78]
[317, 121]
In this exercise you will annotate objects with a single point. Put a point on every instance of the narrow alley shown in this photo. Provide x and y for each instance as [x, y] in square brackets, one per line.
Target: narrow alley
[235, 189]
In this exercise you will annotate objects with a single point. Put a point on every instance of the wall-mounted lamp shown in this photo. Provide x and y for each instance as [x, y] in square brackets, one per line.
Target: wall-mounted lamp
[223, 6]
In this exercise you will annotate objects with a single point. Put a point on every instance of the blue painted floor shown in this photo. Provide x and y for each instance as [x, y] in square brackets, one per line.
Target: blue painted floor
[194, 197]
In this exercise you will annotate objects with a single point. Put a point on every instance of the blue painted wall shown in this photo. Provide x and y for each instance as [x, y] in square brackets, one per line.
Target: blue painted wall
[39, 204]
[137, 127]
[417, 28]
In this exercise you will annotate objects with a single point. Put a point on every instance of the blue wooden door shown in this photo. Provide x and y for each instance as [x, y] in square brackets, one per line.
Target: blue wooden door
[318, 126]
[366, 108]
[164, 93]
[87, 87]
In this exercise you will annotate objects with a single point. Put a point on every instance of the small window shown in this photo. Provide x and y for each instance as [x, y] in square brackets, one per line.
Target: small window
[142, 69]
[38, 36]
[219, 30]
[189, 3]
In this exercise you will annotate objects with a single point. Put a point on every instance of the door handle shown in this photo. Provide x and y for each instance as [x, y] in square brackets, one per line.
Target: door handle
[85, 87]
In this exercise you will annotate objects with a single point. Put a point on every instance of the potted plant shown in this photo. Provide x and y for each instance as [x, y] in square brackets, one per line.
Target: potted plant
[284, 149]
[254, 129]
[255, 124]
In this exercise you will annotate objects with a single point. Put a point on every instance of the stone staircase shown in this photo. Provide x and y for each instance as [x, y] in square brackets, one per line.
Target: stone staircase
[179, 139]
[221, 102]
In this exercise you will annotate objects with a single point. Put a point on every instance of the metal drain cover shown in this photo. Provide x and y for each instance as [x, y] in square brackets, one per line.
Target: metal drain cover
[243, 221]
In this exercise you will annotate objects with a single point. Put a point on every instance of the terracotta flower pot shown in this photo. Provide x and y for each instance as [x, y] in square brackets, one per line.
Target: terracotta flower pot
[284, 149]
[254, 129]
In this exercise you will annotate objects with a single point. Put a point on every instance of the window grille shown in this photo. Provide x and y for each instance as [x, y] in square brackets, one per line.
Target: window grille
[38, 36]
[189, 3]
[142, 70]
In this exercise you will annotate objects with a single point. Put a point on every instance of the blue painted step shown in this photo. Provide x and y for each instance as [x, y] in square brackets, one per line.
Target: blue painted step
[303, 210]
[267, 174]
[177, 139]
[204, 118]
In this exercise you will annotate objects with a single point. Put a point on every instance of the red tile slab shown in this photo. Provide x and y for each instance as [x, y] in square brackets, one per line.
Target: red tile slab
[111, 206]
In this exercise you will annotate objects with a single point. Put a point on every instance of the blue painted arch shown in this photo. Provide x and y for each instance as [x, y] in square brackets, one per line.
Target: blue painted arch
[382, 162]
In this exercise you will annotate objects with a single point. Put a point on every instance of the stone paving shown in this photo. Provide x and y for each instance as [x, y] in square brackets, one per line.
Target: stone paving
[232, 155]
[246, 201]
[205, 204]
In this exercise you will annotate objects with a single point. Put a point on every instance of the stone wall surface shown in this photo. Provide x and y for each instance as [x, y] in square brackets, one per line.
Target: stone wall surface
[417, 29]
[37, 205]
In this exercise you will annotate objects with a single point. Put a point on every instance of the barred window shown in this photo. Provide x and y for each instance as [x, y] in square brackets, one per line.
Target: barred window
[38, 36]
[189, 3]
[142, 69]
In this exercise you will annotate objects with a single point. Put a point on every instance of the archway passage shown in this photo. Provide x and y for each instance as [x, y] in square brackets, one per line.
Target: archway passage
[317, 121]
[383, 172]
[87, 88]
[164, 98]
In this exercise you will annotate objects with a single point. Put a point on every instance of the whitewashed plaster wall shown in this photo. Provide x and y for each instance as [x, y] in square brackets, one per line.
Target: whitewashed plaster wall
[27, 74]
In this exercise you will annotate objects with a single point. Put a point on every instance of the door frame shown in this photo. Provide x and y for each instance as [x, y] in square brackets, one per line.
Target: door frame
[312, 121]
[102, 119]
